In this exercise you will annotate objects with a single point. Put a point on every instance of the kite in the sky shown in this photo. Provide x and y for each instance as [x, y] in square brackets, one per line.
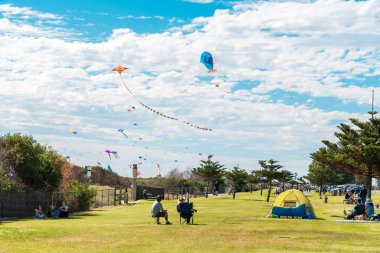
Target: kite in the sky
[207, 60]
[139, 174]
[161, 142]
[122, 132]
[73, 131]
[120, 69]
[109, 168]
[114, 153]
[99, 164]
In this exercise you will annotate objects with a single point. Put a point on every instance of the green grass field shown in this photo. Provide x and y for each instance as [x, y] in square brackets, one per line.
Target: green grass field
[221, 225]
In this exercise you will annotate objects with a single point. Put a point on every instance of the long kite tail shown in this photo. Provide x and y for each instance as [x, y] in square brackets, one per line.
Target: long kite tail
[159, 113]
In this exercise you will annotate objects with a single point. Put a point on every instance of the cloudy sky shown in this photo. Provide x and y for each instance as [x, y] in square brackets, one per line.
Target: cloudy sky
[289, 72]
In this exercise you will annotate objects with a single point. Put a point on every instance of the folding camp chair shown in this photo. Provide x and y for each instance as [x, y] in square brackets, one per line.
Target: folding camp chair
[185, 210]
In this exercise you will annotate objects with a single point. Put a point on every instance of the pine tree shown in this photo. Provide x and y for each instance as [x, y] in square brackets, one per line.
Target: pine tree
[237, 177]
[270, 171]
[357, 150]
[209, 171]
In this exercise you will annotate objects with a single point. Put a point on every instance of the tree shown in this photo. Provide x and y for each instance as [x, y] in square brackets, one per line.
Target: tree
[285, 176]
[253, 179]
[357, 150]
[270, 171]
[236, 177]
[37, 166]
[209, 171]
[320, 175]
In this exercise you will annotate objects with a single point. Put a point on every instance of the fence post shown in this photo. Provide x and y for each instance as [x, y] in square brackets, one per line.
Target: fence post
[134, 184]
[114, 196]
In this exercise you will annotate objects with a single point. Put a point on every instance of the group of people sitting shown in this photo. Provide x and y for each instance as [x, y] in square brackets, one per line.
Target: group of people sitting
[184, 208]
[61, 212]
[362, 210]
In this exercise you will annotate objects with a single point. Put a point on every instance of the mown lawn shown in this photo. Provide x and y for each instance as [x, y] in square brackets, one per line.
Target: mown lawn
[221, 225]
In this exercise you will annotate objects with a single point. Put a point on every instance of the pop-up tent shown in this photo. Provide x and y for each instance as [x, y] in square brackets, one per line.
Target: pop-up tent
[292, 203]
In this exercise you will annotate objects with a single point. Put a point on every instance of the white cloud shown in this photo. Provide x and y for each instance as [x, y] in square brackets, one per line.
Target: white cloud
[49, 84]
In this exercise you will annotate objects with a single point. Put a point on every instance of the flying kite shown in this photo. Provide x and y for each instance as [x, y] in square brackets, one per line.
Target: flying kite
[114, 153]
[120, 69]
[109, 168]
[73, 131]
[206, 59]
[99, 164]
[122, 132]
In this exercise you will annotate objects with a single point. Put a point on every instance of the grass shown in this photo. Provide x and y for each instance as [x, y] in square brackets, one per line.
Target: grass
[221, 225]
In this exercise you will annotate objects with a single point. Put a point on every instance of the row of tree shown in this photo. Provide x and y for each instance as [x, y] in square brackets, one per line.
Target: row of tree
[269, 173]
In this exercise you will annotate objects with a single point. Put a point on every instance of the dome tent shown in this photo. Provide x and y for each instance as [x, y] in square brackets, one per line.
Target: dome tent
[292, 203]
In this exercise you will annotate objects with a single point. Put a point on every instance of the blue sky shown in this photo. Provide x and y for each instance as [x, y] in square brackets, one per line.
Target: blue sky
[287, 78]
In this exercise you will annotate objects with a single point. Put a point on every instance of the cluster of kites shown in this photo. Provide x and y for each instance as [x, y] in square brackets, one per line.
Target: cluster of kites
[207, 60]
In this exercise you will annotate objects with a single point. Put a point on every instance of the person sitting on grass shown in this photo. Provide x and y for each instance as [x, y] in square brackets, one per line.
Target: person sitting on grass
[187, 216]
[359, 209]
[63, 210]
[39, 213]
[369, 208]
[158, 211]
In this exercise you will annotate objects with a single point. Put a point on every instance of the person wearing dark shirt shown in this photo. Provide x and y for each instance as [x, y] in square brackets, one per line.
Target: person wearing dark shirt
[363, 194]
[359, 209]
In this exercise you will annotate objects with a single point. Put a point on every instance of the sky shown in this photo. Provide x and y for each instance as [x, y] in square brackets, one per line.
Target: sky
[288, 72]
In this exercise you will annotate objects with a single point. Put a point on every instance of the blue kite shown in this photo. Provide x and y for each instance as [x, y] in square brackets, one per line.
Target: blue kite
[207, 60]
[122, 132]
[109, 168]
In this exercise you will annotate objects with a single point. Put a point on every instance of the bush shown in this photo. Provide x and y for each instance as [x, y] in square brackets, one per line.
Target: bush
[84, 194]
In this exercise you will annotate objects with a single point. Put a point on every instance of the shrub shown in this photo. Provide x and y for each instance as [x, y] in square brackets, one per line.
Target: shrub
[84, 194]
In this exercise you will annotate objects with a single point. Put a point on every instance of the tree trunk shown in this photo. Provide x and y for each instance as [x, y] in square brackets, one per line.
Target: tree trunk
[208, 183]
[251, 187]
[269, 190]
[320, 190]
[369, 186]
[233, 194]
[261, 189]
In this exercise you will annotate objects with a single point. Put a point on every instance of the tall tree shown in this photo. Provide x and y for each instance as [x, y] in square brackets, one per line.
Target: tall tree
[270, 171]
[357, 150]
[285, 176]
[321, 174]
[209, 171]
[236, 177]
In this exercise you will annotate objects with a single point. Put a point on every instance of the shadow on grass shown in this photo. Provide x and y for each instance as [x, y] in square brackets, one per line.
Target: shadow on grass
[73, 216]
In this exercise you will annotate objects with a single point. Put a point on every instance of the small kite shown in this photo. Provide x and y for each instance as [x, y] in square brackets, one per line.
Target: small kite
[133, 108]
[73, 131]
[120, 69]
[161, 142]
[122, 132]
[217, 85]
[176, 161]
[207, 60]
[130, 166]
[139, 174]
[114, 153]
[109, 168]
[140, 157]
[99, 164]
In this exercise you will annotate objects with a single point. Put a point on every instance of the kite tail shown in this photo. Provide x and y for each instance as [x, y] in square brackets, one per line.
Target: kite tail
[159, 113]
